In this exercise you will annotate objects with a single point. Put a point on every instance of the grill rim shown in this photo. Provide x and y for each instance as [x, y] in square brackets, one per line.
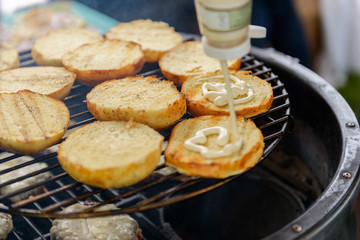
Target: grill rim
[324, 208]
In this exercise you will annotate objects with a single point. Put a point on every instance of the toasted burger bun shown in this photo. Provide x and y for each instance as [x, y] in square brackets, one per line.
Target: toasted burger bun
[9, 57]
[111, 154]
[23, 171]
[199, 105]
[147, 100]
[49, 49]
[120, 226]
[105, 60]
[31, 121]
[6, 224]
[155, 38]
[52, 81]
[193, 163]
[187, 60]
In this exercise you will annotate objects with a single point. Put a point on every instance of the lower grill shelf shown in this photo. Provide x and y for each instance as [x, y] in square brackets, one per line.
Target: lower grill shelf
[163, 187]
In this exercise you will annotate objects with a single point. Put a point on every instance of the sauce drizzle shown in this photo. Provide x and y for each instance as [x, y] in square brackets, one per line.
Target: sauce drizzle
[216, 92]
[197, 142]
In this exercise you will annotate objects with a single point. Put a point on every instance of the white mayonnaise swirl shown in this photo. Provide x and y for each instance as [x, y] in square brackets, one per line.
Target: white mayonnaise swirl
[217, 93]
[197, 143]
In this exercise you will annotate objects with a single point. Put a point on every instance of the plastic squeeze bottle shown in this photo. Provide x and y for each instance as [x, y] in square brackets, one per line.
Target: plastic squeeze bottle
[225, 26]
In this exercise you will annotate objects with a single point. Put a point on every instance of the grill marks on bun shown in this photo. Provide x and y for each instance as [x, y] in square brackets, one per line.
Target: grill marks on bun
[31, 122]
[52, 81]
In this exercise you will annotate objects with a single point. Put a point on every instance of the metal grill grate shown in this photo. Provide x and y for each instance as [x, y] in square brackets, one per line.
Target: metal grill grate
[158, 190]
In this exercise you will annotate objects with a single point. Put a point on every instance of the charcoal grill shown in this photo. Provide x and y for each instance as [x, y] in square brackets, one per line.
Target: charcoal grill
[306, 188]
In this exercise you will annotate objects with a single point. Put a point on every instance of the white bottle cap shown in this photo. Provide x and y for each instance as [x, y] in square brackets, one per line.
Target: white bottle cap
[226, 53]
[237, 51]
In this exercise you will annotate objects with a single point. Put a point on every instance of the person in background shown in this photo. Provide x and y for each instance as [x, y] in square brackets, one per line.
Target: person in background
[285, 32]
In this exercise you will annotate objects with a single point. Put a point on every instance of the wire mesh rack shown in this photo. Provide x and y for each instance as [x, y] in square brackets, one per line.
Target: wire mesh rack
[163, 187]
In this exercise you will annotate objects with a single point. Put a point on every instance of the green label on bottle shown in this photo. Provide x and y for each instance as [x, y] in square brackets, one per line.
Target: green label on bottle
[226, 20]
[239, 18]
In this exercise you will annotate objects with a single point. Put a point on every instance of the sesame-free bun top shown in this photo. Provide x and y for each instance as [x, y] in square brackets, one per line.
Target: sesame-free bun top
[94, 63]
[49, 48]
[187, 60]
[9, 57]
[111, 154]
[147, 100]
[155, 37]
[31, 121]
[52, 81]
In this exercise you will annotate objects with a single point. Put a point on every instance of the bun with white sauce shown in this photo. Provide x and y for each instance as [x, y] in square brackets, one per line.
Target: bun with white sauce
[198, 104]
[193, 163]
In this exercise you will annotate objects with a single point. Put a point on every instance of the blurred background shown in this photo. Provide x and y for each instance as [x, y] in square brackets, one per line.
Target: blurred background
[322, 35]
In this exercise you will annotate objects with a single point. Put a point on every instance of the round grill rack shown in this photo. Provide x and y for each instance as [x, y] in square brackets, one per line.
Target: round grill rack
[163, 187]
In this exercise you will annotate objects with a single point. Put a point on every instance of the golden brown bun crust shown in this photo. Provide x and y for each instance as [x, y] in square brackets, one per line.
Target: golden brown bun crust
[9, 57]
[117, 59]
[146, 100]
[198, 105]
[152, 55]
[31, 122]
[55, 82]
[49, 48]
[111, 154]
[192, 163]
[155, 37]
[187, 60]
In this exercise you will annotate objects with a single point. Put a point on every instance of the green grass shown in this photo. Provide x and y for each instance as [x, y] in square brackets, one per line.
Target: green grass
[351, 92]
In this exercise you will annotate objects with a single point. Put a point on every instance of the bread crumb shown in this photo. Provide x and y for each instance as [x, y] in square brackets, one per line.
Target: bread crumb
[130, 123]
[196, 69]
